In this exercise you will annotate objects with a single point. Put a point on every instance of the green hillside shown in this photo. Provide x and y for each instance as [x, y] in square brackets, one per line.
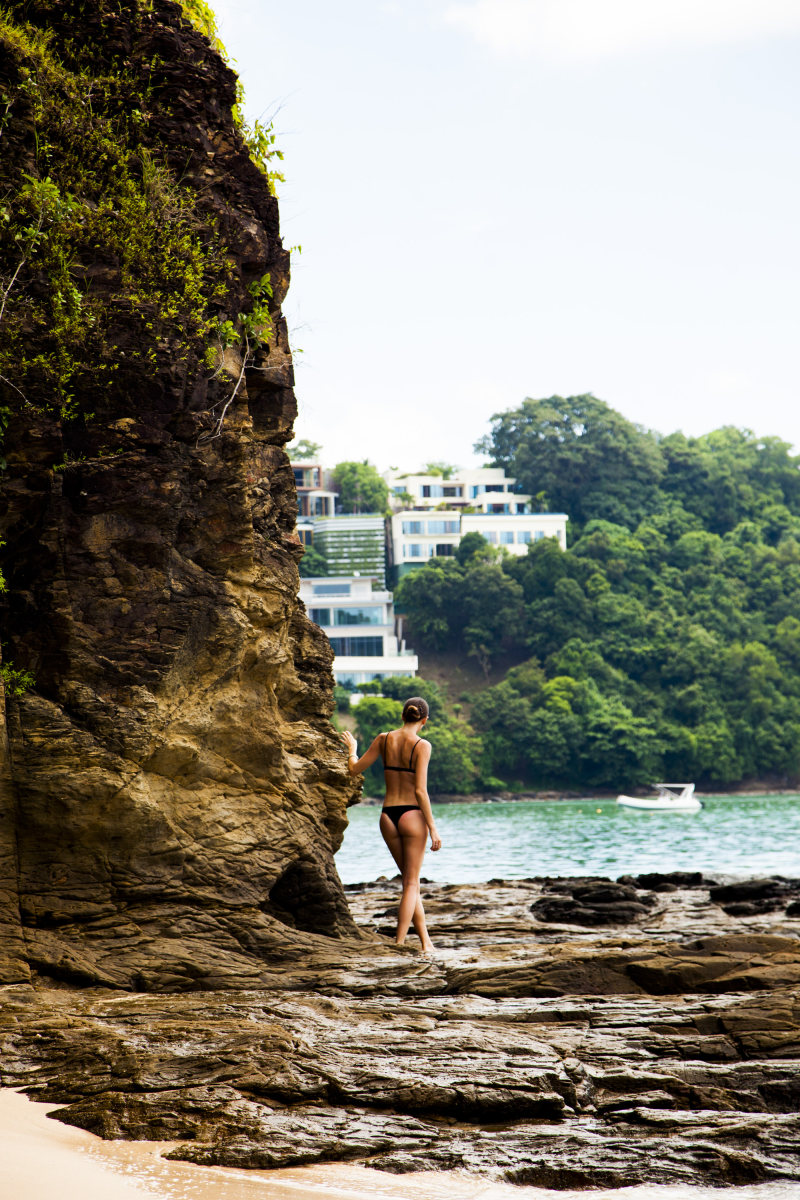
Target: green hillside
[664, 642]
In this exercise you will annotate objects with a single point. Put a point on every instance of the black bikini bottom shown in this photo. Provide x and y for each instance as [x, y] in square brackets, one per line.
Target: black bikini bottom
[395, 811]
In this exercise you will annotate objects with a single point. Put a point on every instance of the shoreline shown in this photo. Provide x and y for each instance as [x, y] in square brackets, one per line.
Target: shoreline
[43, 1158]
[751, 790]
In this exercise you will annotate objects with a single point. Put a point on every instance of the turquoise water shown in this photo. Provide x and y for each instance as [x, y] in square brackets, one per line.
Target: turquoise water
[742, 835]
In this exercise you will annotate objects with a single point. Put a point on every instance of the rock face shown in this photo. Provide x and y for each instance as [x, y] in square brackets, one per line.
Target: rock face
[171, 791]
[554, 1056]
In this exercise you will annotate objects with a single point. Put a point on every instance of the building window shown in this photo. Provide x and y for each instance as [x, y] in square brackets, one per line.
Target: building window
[452, 491]
[413, 550]
[477, 489]
[357, 647]
[491, 537]
[412, 527]
[537, 537]
[320, 616]
[368, 615]
[521, 508]
[331, 589]
[443, 526]
[506, 537]
[524, 536]
[445, 550]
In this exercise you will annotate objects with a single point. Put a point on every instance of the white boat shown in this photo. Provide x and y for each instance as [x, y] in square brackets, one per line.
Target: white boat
[669, 797]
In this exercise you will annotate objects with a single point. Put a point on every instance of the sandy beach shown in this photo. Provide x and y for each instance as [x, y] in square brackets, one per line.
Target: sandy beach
[43, 1159]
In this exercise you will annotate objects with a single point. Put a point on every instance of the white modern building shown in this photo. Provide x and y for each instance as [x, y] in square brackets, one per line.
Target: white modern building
[352, 543]
[435, 513]
[462, 489]
[357, 615]
[313, 498]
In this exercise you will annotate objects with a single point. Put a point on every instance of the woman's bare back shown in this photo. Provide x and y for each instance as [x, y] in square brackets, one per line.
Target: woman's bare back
[399, 752]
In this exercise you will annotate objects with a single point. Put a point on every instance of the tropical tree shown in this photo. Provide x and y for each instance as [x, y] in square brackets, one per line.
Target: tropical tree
[589, 460]
[313, 564]
[361, 489]
[444, 469]
[304, 450]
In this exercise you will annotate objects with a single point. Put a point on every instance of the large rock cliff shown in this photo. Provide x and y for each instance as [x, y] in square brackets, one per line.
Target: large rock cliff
[172, 791]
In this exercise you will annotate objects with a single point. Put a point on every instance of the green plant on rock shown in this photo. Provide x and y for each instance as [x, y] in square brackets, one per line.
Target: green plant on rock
[260, 137]
[94, 197]
[248, 334]
[15, 682]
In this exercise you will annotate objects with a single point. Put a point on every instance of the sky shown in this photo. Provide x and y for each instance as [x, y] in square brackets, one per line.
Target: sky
[497, 199]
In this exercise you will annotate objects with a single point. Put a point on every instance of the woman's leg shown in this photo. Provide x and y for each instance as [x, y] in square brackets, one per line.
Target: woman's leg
[414, 835]
[397, 848]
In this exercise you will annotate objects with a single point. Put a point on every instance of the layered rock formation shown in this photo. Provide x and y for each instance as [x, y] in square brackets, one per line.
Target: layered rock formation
[664, 1050]
[172, 791]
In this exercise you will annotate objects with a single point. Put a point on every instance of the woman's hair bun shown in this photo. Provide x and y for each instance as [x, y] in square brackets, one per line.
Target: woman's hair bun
[415, 709]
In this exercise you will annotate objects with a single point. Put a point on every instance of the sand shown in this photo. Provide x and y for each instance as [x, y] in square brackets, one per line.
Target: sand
[45, 1160]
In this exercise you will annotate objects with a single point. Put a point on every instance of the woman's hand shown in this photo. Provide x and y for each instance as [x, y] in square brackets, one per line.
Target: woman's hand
[351, 743]
[436, 841]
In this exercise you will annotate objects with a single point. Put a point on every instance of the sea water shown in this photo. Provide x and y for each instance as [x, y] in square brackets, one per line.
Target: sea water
[731, 835]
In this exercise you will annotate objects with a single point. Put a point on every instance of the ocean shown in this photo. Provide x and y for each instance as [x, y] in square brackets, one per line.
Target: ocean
[517, 839]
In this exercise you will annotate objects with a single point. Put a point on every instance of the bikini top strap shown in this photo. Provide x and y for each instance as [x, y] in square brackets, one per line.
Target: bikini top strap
[413, 752]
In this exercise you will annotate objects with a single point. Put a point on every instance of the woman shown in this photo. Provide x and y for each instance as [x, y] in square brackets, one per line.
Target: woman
[406, 817]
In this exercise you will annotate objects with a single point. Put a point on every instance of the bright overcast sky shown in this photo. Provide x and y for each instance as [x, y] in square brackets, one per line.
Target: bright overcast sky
[507, 198]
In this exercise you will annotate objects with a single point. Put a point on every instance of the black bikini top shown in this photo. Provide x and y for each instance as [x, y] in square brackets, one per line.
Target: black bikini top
[410, 768]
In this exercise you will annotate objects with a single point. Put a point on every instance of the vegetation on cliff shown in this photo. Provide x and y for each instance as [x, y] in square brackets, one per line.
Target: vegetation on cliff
[665, 641]
[111, 262]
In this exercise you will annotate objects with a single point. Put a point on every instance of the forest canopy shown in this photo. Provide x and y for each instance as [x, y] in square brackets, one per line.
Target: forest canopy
[665, 641]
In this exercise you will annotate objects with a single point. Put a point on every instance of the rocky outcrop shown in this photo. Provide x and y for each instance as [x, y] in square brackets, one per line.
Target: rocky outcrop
[171, 791]
[550, 1056]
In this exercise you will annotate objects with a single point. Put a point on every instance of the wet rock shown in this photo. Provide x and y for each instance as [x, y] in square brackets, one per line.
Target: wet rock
[592, 1056]
[658, 881]
[750, 897]
[599, 902]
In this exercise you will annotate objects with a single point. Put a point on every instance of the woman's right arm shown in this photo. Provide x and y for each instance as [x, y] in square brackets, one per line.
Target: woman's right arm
[421, 792]
[356, 765]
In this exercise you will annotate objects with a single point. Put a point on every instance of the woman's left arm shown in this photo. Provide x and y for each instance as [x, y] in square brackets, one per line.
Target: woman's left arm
[356, 765]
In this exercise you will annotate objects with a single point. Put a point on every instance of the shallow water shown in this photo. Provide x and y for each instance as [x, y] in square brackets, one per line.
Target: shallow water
[731, 835]
[42, 1159]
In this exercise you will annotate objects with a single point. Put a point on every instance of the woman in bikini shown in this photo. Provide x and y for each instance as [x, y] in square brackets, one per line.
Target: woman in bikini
[406, 817]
